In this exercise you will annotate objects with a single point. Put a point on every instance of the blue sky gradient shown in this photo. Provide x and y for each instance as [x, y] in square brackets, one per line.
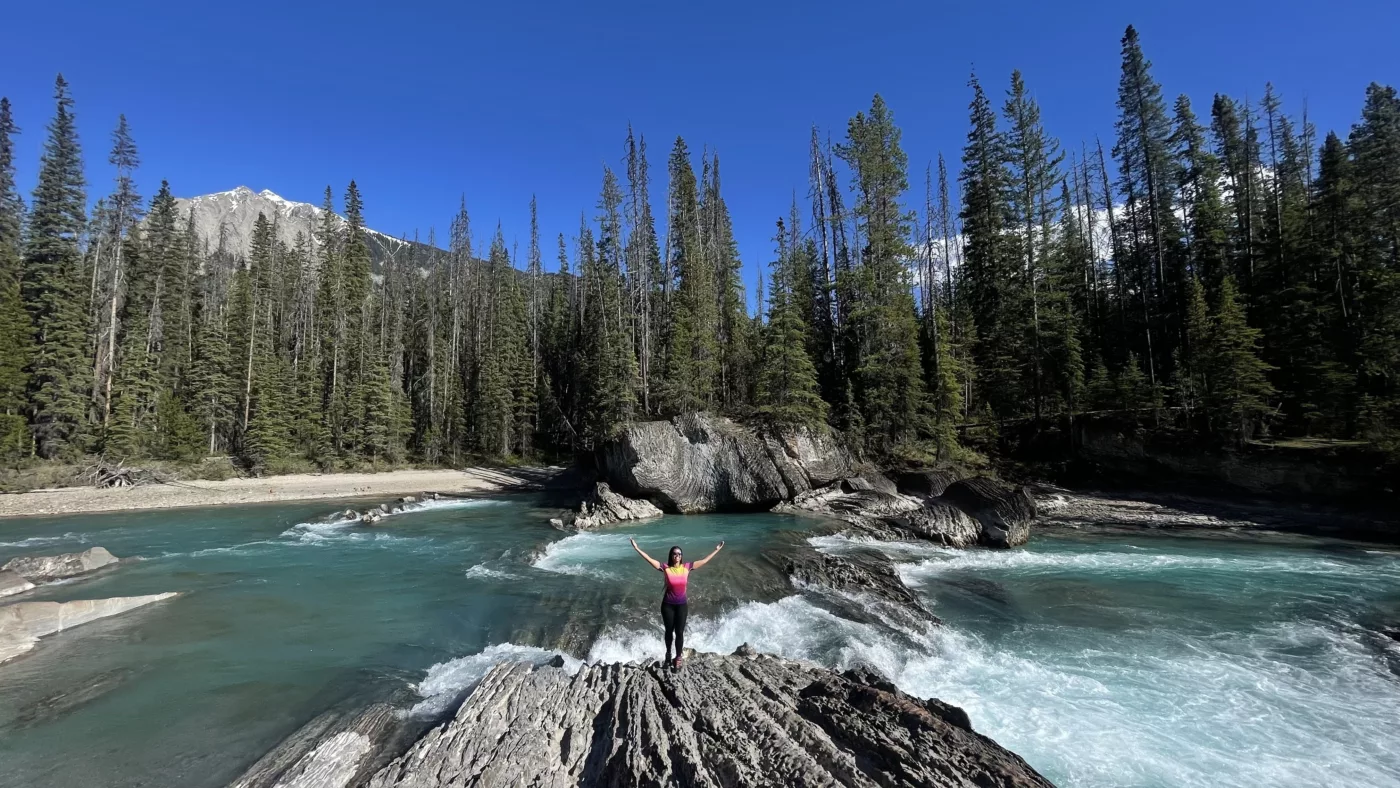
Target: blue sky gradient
[424, 102]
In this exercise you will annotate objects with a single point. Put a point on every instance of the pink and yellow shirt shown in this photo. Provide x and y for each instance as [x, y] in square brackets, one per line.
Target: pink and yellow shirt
[676, 577]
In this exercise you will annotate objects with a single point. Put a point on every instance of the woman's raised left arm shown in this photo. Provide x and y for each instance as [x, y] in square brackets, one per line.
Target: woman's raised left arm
[707, 558]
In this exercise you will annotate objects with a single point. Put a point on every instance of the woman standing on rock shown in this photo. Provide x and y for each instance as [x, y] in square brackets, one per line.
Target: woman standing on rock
[676, 571]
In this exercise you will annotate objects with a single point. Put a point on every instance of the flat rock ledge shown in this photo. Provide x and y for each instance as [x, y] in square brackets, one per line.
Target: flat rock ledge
[47, 568]
[23, 623]
[11, 583]
[739, 720]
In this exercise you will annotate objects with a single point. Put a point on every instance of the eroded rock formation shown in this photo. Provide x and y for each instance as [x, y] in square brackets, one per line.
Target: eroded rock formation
[46, 568]
[702, 463]
[605, 507]
[739, 720]
[23, 623]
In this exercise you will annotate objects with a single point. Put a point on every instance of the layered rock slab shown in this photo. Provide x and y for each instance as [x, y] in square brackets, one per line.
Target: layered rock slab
[702, 463]
[740, 720]
[47, 568]
[23, 623]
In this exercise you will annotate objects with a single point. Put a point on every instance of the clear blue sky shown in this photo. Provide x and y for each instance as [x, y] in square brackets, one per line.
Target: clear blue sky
[423, 102]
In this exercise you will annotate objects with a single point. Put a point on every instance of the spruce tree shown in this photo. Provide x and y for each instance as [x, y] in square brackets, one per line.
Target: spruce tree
[692, 371]
[1239, 385]
[51, 289]
[15, 328]
[888, 375]
[787, 393]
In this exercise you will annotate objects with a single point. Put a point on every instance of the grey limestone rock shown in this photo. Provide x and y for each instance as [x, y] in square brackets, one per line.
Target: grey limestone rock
[23, 623]
[702, 463]
[605, 507]
[1004, 511]
[12, 583]
[45, 568]
[741, 720]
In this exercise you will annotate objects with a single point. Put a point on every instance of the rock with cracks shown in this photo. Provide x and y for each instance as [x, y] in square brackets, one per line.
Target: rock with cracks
[702, 463]
[740, 720]
[334, 750]
[605, 507]
[11, 584]
[1005, 512]
[866, 574]
[23, 623]
[45, 568]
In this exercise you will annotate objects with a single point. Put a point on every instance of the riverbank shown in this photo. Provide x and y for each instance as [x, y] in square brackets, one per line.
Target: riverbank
[271, 489]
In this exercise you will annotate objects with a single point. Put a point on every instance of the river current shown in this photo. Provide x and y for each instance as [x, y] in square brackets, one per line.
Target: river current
[1103, 657]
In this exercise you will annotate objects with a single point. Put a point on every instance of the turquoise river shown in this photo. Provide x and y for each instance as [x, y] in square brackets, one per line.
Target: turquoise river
[1103, 657]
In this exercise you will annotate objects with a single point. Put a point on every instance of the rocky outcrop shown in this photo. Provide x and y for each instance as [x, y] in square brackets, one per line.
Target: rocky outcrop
[605, 507]
[46, 568]
[1005, 512]
[942, 522]
[334, 750]
[23, 623]
[11, 584]
[740, 720]
[701, 463]
[927, 483]
[867, 574]
[976, 511]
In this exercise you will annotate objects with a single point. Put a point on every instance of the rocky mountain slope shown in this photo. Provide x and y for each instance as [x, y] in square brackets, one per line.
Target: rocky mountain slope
[227, 218]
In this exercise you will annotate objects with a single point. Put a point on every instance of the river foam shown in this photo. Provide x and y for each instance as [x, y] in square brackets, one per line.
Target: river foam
[447, 681]
[580, 554]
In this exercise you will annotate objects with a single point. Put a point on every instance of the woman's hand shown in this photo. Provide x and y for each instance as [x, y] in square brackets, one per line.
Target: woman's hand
[633, 541]
[719, 546]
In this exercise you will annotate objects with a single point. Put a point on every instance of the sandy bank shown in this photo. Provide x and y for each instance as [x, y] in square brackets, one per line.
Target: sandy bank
[295, 487]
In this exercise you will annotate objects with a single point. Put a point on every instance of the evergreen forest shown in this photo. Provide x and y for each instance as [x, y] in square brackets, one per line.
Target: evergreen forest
[1228, 271]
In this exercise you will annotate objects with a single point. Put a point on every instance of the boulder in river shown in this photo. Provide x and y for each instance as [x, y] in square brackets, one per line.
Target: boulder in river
[46, 568]
[942, 522]
[866, 574]
[703, 463]
[750, 720]
[12, 583]
[23, 623]
[605, 507]
[927, 483]
[1004, 511]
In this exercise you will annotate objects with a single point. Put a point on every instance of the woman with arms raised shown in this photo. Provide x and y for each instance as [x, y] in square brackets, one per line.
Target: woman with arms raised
[676, 572]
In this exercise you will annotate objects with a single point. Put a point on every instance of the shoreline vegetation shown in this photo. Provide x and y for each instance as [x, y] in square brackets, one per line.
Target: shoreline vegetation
[268, 489]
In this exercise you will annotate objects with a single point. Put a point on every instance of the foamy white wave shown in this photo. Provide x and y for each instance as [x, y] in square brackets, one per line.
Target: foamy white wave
[332, 527]
[1124, 564]
[483, 571]
[581, 553]
[237, 549]
[1236, 712]
[446, 681]
[37, 541]
[844, 544]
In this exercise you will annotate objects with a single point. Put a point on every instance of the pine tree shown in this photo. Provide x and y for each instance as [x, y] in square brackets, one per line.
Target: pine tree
[692, 371]
[51, 289]
[787, 393]
[15, 329]
[1239, 385]
[888, 375]
[989, 285]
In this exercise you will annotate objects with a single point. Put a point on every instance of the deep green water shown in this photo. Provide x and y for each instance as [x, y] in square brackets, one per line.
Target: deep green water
[1102, 658]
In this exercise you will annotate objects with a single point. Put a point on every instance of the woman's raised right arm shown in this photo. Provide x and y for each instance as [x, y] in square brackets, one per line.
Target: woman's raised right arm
[655, 564]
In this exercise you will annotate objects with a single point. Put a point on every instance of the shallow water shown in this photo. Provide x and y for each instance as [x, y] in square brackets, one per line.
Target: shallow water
[1102, 658]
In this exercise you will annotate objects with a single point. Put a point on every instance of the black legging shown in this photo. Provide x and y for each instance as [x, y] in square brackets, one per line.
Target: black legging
[673, 618]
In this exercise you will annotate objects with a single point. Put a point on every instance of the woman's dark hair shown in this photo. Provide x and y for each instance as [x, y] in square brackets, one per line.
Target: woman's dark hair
[673, 553]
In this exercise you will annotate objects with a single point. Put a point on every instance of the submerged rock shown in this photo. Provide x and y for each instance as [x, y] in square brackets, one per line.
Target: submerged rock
[334, 750]
[702, 463]
[1004, 512]
[864, 574]
[45, 568]
[605, 507]
[740, 720]
[11, 584]
[23, 623]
